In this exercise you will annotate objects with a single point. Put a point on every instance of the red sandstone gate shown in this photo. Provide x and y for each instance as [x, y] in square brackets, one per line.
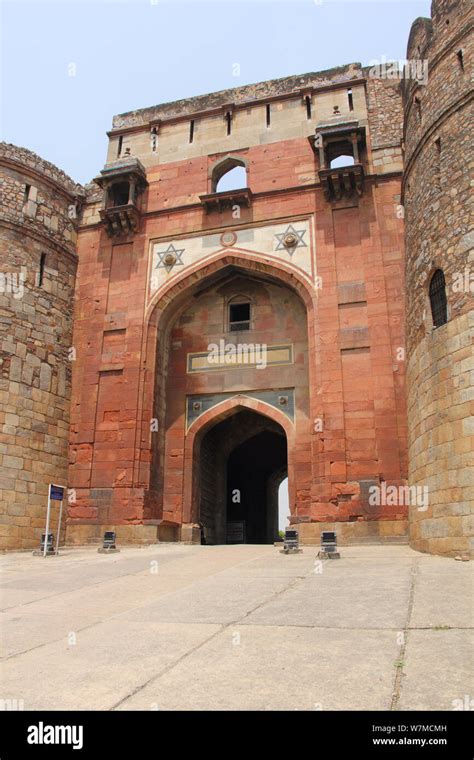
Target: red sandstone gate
[186, 405]
[311, 268]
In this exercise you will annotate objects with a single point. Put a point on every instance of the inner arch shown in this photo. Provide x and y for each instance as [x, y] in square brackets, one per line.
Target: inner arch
[241, 460]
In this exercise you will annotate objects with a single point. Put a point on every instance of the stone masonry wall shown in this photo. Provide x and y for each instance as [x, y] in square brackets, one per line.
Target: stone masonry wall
[439, 160]
[37, 232]
[385, 116]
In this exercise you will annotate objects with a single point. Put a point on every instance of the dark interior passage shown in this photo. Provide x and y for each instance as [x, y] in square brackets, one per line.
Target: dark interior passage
[243, 460]
[249, 469]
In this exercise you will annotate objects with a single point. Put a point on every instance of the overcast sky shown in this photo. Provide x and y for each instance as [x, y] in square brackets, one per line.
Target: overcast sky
[136, 53]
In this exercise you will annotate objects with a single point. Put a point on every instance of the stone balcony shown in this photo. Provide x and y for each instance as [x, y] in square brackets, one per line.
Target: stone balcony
[226, 199]
[123, 181]
[342, 181]
[120, 220]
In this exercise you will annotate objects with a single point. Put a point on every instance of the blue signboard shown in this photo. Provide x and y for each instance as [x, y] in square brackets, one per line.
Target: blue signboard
[56, 493]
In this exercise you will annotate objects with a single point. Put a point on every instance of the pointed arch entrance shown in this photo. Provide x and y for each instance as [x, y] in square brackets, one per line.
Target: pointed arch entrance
[236, 455]
[187, 314]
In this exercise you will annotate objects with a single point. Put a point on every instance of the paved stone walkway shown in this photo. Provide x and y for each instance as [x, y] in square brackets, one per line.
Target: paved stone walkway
[236, 627]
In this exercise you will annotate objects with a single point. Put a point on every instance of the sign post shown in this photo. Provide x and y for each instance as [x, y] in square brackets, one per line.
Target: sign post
[47, 522]
[55, 493]
[59, 526]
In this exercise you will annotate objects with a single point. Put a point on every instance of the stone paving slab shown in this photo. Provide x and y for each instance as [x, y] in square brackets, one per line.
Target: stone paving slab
[345, 594]
[438, 669]
[106, 664]
[444, 594]
[278, 668]
[213, 600]
[38, 578]
[54, 617]
[238, 627]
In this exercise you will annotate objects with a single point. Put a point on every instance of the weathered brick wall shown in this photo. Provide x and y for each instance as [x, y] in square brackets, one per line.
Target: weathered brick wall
[35, 338]
[440, 438]
[385, 117]
[438, 199]
[385, 111]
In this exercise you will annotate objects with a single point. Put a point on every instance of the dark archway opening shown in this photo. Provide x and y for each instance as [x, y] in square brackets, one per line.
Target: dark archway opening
[119, 194]
[243, 460]
[249, 469]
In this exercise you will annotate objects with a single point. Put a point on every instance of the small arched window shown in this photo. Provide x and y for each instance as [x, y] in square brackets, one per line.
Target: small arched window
[239, 314]
[234, 179]
[229, 174]
[438, 300]
[41, 269]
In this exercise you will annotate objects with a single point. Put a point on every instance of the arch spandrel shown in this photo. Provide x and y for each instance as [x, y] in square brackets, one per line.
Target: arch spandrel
[289, 245]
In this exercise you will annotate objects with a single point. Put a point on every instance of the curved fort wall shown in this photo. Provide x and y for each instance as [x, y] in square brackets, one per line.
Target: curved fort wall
[37, 279]
[439, 160]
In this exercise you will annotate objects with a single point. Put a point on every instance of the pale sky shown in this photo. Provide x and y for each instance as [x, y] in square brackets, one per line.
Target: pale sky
[68, 66]
[283, 505]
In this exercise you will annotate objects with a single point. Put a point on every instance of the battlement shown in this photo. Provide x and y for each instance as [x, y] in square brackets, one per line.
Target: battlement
[31, 162]
[39, 197]
[250, 117]
[239, 96]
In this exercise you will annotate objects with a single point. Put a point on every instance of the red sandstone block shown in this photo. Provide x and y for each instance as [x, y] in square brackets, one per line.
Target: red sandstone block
[79, 478]
[81, 454]
[338, 471]
[363, 470]
[82, 512]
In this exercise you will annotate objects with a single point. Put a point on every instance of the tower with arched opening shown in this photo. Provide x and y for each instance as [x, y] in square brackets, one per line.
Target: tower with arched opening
[437, 192]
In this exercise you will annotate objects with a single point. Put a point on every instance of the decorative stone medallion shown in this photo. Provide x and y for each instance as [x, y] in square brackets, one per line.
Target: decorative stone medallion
[228, 238]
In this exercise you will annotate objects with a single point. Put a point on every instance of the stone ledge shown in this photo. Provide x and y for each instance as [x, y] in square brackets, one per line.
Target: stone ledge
[368, 532]
[77, 535]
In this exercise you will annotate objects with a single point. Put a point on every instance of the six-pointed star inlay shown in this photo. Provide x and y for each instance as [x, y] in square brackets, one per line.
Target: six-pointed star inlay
[290, 230]
[170, 251]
